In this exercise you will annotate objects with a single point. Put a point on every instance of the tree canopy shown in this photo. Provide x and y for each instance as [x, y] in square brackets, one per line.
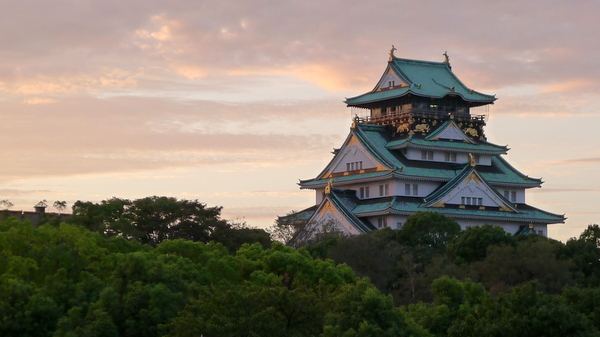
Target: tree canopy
[166, 267]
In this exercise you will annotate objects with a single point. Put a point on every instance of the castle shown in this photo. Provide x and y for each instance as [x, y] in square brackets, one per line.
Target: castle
[421, 147]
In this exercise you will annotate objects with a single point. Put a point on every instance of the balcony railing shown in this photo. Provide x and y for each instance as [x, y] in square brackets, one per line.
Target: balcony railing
[421, 113]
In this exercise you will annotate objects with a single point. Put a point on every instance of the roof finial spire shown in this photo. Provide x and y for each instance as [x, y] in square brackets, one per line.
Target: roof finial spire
[446, 58]
[392, 53]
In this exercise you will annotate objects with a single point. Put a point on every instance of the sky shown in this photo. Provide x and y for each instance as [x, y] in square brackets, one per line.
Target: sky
[231, 102]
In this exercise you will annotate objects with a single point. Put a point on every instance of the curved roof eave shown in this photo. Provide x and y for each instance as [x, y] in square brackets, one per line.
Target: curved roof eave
[410, 91]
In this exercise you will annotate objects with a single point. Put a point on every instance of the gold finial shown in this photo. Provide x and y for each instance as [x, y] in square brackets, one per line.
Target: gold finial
[392, 53]
[328, 187]
[446, 58]
[472, 161]
[355, 122]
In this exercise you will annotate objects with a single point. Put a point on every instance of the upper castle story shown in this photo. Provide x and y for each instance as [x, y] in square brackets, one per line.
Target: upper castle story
[415, 97]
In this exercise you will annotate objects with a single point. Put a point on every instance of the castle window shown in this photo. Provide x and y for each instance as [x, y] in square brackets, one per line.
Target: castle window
[391, 83]
[407, 189]
[513, 196]
[415, 189]
[450, 156]
[506, 193]
[383, 190]
[477, 157]
[381, 222]
[426, 155]
[347, 166]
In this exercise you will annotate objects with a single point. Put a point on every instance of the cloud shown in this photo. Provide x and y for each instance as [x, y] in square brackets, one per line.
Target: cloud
[132, 134]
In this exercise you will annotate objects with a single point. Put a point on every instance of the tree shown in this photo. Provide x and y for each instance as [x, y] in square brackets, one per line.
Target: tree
[532, 259]
[428, 229]
[6, 203]
[591, 234]
[150, 220]
[523, 312]
[585, 254]
[471, 244]
[60, 205]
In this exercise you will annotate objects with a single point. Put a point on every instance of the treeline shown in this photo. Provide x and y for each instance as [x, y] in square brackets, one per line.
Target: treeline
[167, 267]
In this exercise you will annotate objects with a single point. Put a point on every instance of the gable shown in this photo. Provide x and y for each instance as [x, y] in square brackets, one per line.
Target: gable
[353, 151]
[472, 186]
[389, 75]
[450, 131]
[328, 217]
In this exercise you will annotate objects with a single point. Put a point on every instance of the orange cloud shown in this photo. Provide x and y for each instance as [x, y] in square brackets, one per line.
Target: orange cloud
[322, 75]
[569, 86]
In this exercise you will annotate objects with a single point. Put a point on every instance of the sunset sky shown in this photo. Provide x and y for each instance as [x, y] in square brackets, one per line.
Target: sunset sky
[231, 102]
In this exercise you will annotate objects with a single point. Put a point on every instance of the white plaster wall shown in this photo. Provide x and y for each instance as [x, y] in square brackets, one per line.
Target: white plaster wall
[440, 156]
[520, 193]
[397, 221]
[395, 187]
[319, 195]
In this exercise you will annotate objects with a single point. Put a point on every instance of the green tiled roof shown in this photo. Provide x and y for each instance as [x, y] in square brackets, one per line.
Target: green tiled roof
[407, 206]
[427, 79]
[345, 179]
[377, 140]
[499, 173]
[483, 147]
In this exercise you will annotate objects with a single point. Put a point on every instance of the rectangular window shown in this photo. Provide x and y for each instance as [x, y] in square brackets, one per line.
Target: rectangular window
[381, 190]
[462, 200]
[415, 189]
[468, 200]
[476, 158]
[513, 196]
[450, 156]
[407, 189]
[379, 222]
[479, 201]
[367, 192]
[360, 165]
[430, 155]
[386, 190]
[506, 194]
[362, 192]
[347, 166]
[423, 154]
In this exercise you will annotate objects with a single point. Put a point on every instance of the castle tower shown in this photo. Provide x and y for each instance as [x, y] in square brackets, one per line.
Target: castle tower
[421, 147]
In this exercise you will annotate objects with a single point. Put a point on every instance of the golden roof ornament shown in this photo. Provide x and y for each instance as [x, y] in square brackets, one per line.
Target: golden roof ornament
[328, 187]
[446, 58]
[472, 161]
[392, 53]
[355, 122]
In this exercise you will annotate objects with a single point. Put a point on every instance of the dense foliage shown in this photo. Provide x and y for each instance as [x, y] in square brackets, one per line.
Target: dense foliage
[103, 276]
[152, 220]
